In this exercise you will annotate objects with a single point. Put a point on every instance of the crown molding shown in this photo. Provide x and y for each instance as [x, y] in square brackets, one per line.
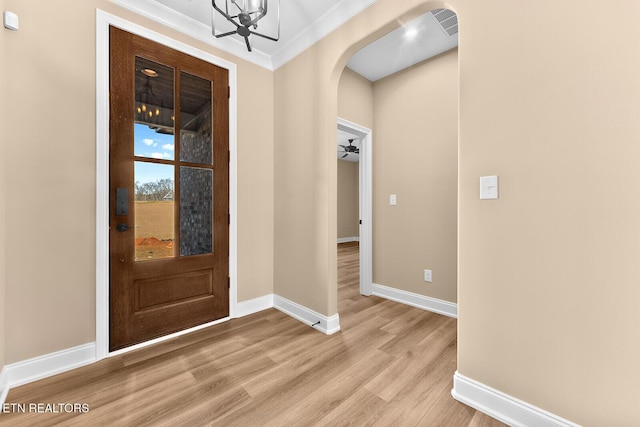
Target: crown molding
[320, 28]
[168, 17]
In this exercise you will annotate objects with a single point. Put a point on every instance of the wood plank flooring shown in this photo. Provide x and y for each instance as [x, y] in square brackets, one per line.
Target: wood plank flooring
[391, 365]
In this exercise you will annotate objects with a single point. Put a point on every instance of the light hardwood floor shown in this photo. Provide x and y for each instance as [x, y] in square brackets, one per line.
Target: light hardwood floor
[391, 365]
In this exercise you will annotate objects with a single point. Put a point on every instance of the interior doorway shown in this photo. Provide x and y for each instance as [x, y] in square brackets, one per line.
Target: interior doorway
[364, 137]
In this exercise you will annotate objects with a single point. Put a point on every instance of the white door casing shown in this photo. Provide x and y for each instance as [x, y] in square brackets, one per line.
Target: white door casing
[365, 203]
[103, 21]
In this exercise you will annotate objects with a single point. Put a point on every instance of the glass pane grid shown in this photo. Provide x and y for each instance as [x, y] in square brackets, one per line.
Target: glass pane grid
[195, 119]
[159, 153]
[154, 211]
[196, 208]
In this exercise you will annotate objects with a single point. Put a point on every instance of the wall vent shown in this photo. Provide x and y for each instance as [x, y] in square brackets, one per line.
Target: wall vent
[447, 19]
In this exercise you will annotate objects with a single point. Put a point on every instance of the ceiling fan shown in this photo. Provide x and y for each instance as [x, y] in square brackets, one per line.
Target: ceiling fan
[348, 149]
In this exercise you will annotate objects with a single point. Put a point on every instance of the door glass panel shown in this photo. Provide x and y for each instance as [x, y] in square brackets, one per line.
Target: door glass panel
[195, 119]
[153, 110]
[196, 199]
[154, 211]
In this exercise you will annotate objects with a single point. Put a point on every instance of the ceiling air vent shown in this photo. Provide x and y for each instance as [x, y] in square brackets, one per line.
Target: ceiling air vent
[447, 19]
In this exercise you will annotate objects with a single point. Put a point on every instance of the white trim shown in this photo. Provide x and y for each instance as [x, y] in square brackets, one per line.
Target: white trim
[328, 325]
[196, 29]
[503, 407]
[348, 239]
[40, 367]
[255, 305]
[103, 21]
[416, 300]
[4, 385]
[365, 166]
[166, 337]
[319, 29]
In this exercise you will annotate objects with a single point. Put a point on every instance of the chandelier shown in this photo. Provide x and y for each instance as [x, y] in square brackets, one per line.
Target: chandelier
[149, 109]
[244, 16]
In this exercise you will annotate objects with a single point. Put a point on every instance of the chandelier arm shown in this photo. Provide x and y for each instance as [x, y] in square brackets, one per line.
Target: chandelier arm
[246, 39]
[264, 36]
[228, 18]
[243, 29]
[226, 34]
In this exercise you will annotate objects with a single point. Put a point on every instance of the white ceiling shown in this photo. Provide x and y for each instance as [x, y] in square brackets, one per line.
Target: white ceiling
[418, 40]
[302, 23]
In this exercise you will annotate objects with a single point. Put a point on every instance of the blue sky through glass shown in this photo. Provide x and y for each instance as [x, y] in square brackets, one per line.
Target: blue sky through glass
[148, 143]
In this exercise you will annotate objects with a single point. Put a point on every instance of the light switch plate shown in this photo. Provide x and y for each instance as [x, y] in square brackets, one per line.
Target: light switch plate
[10, 20]
[392, 200]
[488, 187]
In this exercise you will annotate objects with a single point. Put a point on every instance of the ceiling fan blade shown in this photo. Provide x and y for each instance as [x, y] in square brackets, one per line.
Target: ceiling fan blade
[343, 147]
[345, 155]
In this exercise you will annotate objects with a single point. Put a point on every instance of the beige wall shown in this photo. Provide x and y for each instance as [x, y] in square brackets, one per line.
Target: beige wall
[415, 156]
[3, 190]
[547, 274]
[306, 183]
[355, 98]
[50, 198]
[348, 199]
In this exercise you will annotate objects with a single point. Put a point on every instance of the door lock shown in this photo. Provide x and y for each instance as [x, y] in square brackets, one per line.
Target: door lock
[122, 227]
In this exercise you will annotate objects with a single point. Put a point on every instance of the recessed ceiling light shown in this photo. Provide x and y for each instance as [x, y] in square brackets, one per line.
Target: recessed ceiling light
[410, 33]
[149, 72]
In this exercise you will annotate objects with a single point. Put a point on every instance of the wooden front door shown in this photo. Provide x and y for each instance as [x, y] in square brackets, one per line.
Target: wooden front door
[169, 190]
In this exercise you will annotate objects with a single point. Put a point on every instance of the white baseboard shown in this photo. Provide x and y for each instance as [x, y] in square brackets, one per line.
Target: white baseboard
[255, 305]
[348, 239]
[328, 325]
[40, 367]
[503, 407]
[4, 385]
[420, 301]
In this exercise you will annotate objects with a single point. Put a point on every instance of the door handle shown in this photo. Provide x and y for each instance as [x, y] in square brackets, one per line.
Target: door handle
[122, 227]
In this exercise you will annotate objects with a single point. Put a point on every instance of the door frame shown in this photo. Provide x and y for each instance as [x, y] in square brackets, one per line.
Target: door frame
[103, 21]
[365, 202]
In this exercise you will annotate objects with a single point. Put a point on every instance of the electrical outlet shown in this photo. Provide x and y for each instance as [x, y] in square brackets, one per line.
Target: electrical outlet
[428, 276]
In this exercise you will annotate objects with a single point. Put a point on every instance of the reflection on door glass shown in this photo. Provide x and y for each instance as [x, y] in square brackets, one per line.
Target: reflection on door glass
[154, 206]
[153, 110]
[196, 199]
[195, 119]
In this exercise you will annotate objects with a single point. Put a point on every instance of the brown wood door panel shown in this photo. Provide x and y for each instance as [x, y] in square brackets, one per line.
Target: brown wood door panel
[177, 290]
